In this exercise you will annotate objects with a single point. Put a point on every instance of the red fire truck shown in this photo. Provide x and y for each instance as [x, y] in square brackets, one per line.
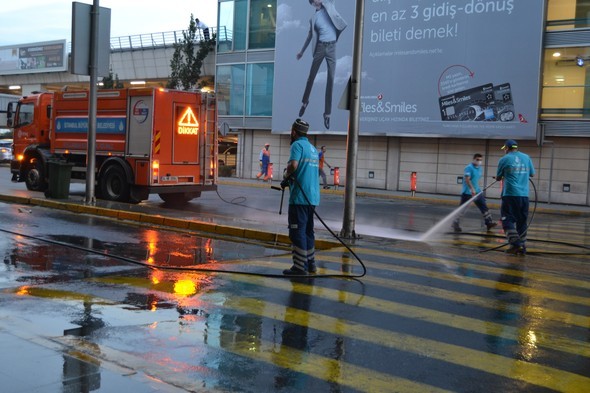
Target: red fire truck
[148, 140]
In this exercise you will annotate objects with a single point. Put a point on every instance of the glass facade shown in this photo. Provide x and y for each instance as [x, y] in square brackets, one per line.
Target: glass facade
[567, 14]
[232, 25]
[245, 89]
[262, 24]
[566, 84]
[259, 85]
[230, 90]
[566, 77]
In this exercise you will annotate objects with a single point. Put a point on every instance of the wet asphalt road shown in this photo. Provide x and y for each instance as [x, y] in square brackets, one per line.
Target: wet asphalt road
[439, 316]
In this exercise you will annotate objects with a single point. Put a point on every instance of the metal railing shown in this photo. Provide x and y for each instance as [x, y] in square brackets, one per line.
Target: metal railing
[152, 40]
[568, 23]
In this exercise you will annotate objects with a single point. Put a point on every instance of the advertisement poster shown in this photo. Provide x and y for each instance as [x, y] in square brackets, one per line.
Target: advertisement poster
[32, 58]
[302, 55]
[457, 68]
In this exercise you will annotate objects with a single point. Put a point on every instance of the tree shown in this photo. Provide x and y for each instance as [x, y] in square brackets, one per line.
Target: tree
[110, 82]
[185, 64]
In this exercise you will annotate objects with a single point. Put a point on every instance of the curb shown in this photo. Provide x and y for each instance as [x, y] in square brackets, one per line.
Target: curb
[163, 221]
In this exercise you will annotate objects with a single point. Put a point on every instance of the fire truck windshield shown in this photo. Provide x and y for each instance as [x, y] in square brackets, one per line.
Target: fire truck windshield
[24, 115]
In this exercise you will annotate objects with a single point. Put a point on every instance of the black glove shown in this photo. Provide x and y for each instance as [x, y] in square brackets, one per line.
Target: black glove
[285, 183]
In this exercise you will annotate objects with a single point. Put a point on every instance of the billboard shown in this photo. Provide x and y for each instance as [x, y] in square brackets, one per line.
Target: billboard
[458, 68]
[296, 49]
[49, 56]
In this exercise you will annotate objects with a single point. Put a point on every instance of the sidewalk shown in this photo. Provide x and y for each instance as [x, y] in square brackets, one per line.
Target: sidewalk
[552, 208]
[245, 228]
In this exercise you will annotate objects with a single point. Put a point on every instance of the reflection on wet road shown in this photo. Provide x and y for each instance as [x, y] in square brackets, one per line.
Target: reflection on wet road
[427, 317]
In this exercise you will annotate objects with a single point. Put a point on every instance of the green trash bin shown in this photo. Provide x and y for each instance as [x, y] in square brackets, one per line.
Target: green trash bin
[60, 173]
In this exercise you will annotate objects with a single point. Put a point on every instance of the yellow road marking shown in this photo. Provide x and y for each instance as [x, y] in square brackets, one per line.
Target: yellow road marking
[500, 286]
[540, 311]
[542, 277]
[488, 328]
[330, 370]
[531, 373]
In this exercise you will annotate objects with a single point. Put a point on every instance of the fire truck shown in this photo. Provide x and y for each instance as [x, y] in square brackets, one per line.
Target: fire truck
[148, 140]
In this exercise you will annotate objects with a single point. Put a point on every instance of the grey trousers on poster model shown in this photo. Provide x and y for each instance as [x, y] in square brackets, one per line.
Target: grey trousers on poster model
[323, 50]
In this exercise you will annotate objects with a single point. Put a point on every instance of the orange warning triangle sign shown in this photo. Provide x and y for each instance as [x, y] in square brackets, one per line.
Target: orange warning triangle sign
[188, 119]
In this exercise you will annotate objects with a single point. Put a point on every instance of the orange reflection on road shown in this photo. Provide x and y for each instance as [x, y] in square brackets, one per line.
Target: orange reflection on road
[23, 291]
[156, 276]
[152, 241]
[185, 287]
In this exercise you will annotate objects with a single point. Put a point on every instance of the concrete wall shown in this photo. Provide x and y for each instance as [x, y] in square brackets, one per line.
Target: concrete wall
[438, 163]
[151, 64]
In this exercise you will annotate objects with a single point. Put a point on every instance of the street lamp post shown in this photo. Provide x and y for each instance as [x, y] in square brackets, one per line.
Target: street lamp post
[353, 126]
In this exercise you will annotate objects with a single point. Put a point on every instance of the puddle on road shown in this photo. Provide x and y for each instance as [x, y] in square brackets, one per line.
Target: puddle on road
[177, 250]
[33, 262]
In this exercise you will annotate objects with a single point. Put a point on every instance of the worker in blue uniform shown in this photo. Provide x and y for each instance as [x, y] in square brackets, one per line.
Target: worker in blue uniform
[515, 169]
[302, 178]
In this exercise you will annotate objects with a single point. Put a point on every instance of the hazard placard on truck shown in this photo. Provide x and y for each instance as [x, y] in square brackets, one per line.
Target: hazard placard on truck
[148, 140]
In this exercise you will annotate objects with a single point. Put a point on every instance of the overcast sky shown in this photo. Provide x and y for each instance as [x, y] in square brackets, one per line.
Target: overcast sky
[27, 21]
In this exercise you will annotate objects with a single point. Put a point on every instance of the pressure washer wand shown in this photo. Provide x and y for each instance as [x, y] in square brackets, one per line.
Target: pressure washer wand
[489, 185]
[282, 197]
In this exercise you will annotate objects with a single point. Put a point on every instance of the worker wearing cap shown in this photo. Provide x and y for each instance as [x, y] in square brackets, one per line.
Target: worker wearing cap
[515, 169]
[264, 161]
[301, 176]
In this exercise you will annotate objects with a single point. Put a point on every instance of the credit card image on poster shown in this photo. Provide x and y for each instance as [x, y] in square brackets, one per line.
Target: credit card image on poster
[503, 104]
[475, 104]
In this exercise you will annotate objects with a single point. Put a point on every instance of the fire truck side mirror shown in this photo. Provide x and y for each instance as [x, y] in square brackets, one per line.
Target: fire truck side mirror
[49, 111]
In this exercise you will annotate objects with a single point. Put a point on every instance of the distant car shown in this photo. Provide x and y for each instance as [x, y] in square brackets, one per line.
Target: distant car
[227, 155]
[5, 133]
[5, 150]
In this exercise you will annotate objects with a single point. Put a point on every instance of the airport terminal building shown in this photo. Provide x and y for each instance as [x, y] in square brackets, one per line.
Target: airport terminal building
[440, 82]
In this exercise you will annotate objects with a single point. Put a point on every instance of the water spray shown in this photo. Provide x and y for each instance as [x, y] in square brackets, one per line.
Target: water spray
[445, 222]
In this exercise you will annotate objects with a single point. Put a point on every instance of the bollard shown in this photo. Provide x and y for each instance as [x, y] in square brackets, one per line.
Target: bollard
[269, 173]
[336, 177]
[413, 180]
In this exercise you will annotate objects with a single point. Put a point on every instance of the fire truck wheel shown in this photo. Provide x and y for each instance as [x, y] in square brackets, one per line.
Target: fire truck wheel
[178, 198]
[114, 185]
[35, 176]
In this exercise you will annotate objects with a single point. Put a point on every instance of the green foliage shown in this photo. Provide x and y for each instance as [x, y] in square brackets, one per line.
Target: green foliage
[110, 82]
[185, 64]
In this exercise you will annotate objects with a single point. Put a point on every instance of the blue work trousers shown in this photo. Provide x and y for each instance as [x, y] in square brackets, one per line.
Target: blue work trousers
[515, 213]
[302, 235]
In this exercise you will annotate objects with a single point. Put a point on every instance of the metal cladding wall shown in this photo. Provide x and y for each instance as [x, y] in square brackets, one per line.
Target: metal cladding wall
[387, 163]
